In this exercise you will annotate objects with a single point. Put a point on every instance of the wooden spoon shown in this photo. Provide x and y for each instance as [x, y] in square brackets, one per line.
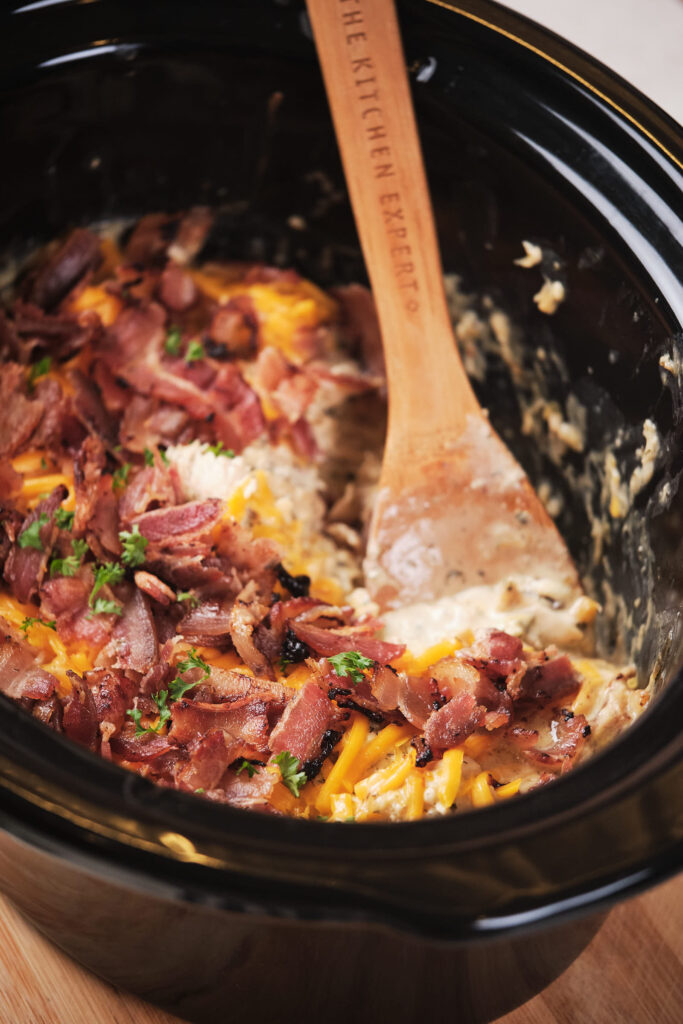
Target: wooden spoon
[454, 508]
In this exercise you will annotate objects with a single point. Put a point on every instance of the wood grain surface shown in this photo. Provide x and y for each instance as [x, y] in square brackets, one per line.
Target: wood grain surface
[632, 973]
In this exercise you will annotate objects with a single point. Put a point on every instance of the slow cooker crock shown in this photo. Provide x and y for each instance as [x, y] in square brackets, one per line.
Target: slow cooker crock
[108, 110]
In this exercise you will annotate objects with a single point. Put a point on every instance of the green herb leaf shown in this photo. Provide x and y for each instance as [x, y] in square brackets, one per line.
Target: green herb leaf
[106, 575]
[292, 778]
[120, 476]
[70, 565]
[349, 665]
[218, 449]
[31, 621]
[200, 790]
[164, 715]
[173, 341]
[39, 369]
[64, 519]
[160, 699]
[193, 660]
[30, 536]
[249, 768]
[164, 457]
[188, 598]
[104, 607]
[134, 546]
[195, 351]
[178, 687]
[149, 457]
[43, 463]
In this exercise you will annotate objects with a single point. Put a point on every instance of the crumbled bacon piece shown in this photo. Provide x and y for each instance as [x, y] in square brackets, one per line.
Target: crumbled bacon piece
[329, 642]
[25, 566]
[79, 253]
[303, 724]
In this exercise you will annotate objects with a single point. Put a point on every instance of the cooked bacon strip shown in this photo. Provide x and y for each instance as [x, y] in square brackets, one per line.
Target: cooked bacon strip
[207, 624]
[60, 335]
[113, 694]
[20, 677]
[413, 696]
[454, 722]
[20, 415]
[65, 599]
[165, 527]
[250, 793]
[62, 270]
[570, 732]
[147, 422]
[245, 720]
[79, 716]
[25, 566]
[58, 425]
[251, 558]
[133, 349]
[88, 406]
[303, 724]
[552, 679]
[133, 645]
[177, 289]
[154, 587]
[148, 488]
[234, 329]
[230, 685]
[130, 747]
[246, 614]
[209, 756]
[327, 642]
[496, 653]
[193, 230]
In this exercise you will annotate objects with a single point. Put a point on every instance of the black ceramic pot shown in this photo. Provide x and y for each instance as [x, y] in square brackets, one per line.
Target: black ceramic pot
[113, 109]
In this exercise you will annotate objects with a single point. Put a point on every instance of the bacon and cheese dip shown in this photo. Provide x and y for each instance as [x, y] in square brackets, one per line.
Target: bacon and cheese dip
[188, 453]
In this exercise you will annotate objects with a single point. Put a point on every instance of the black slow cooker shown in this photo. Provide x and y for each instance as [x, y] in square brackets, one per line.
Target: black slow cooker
[111, 109]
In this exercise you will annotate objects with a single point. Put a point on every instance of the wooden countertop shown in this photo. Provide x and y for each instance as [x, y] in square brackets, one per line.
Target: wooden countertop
[632, 973]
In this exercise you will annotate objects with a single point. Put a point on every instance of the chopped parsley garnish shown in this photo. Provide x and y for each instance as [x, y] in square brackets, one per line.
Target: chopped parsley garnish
[30, 537]
[102, 606]
[248, 767]
[70, 565]
[193, 660]
[43, 463]
[188, 598]
[64, 519]
[178, 687]
[159, 699]
[200, 790]
[120, 476]
[110, 572]
[134, 546]
[39, 369]
[164, 457]
[31, 621]
[350, 665]
[195, 351]
[292, 778]
[173, 341]
[149, 457]
[218, 449]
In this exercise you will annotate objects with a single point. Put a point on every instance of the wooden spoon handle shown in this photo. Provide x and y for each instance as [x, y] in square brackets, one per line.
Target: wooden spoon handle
[367, 86]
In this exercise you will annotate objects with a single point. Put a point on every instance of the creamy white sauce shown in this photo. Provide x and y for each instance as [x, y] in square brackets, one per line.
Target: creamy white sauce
[541, 611]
